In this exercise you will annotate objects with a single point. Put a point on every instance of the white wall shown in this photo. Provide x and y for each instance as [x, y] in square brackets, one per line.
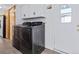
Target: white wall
[41, 10]
[66, 35]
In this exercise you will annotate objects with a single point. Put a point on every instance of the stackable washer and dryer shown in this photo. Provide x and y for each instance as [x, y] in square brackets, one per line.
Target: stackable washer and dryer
[29, 37]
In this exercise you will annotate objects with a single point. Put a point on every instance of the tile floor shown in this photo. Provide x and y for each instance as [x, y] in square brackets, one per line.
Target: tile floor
[6, 48]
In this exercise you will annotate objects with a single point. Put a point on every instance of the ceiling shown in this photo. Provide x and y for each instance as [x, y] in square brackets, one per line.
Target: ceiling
[3, 7]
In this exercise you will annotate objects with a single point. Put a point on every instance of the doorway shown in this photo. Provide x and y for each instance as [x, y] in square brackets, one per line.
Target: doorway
[2, 26]
[10, 21]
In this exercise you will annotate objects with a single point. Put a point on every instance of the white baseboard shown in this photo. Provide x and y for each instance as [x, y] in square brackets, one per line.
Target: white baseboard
[61, 52]
[54, 49]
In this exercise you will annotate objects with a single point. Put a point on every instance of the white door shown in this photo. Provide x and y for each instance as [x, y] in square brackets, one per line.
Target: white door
[1, 26]
[67, 34]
